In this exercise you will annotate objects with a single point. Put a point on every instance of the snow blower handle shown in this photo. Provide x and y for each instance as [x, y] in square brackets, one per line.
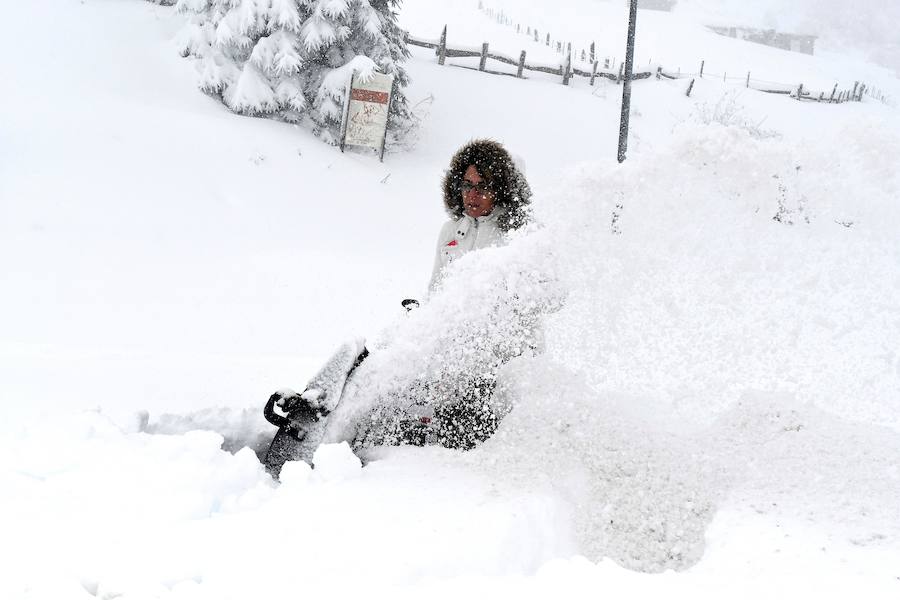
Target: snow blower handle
[294, 406]
[273, 417]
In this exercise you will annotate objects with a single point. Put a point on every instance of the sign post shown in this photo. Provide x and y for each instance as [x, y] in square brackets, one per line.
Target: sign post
[366, 112]
[626, 87]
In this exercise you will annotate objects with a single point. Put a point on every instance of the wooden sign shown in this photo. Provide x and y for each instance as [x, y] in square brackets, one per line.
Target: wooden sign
[366, 112]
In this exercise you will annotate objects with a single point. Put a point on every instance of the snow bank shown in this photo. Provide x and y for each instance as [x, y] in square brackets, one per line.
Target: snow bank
[688, 313]
[728, 329]
[111, 510]
[737, 263]
[717, 394]
[133, 515]
[238, 428]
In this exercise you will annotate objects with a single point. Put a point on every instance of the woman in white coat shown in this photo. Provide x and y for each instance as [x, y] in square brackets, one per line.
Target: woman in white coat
[485, 196]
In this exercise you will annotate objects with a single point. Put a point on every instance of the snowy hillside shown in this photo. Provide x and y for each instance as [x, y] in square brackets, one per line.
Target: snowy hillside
[717, 411]
[677, 41]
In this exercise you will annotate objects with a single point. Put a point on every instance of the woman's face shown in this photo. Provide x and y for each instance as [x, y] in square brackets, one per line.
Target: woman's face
[478, 198]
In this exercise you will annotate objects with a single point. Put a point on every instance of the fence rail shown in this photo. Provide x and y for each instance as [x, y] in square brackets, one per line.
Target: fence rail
[588, 55]
[566, 70]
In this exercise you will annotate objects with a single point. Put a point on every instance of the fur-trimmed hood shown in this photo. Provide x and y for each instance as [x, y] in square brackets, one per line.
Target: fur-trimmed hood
[496, 166]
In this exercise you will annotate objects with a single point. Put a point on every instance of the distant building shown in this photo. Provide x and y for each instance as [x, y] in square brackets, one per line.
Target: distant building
[794, 42]
[657, 4]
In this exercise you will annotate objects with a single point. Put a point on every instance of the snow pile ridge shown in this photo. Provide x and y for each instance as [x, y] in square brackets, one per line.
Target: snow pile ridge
[748, 262]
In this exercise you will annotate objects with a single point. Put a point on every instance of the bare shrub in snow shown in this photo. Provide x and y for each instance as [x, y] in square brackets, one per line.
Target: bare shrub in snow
[727, 111]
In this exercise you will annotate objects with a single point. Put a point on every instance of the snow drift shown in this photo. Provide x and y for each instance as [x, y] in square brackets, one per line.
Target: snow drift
[717, 394]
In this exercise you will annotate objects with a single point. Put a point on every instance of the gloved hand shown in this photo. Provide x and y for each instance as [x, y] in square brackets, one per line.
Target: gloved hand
[303, 406]
[286, 399]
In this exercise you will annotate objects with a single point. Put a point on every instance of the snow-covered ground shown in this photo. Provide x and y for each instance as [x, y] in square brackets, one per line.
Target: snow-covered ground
[717, 412]
[677, 41]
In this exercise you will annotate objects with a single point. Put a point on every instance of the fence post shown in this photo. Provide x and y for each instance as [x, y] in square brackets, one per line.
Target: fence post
[484, 53]
[518, 28]
[442, 47]
[619, 77]
[855, 85]
[800, 92]
[821, 96]
[833, 92]
[521, 64]
[567, 74]
[593, 49]
[702, 64]
[659, 72]
[748, 78]
[593, 73]
[569, 48]
[548, 39]
[690, 87]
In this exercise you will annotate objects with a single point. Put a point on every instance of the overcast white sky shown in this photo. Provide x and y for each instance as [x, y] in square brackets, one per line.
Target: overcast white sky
[870, 26]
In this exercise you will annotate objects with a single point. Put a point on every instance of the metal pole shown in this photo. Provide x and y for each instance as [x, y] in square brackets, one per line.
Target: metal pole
[626, 87]
[347, 112]
[384, 136]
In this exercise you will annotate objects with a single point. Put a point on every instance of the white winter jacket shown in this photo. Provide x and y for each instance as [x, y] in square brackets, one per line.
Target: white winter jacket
[462, 235]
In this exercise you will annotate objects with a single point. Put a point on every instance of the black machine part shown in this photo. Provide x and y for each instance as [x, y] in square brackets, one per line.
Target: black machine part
[300, 426]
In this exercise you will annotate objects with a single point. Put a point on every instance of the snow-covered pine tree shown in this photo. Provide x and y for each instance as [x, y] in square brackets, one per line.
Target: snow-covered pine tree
[389, 51]
[341, 36]
[247, 53]
[292, 59]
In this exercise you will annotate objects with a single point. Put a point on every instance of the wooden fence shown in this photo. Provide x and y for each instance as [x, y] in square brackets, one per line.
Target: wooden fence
[796, 91]
[565, 70]
[545, 38]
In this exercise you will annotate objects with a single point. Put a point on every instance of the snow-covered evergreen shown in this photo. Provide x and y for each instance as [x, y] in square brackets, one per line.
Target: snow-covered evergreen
[292, 59]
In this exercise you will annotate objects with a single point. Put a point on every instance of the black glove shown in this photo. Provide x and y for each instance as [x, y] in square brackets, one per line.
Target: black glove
[286, 399]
